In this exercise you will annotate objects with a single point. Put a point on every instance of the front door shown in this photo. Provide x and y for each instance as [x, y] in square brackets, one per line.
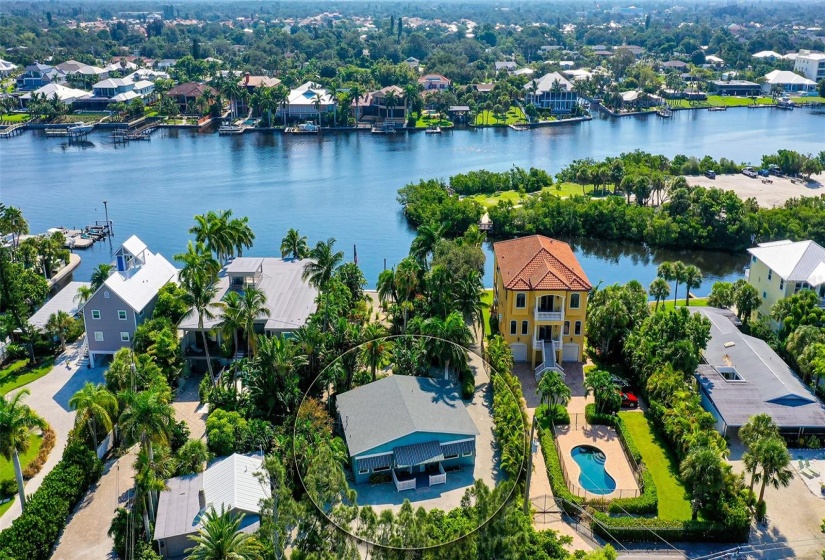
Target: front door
[548, 332]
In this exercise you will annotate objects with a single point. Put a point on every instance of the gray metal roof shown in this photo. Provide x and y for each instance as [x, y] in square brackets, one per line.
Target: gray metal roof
[400, 405]
[767, 383]
[64, 300]
[418, 454]
[179, 507]
[792, 261]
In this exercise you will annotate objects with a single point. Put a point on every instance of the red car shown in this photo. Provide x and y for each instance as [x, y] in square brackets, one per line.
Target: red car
[629, 400]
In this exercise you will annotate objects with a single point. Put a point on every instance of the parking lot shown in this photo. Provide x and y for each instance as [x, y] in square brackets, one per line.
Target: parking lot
[767, 195]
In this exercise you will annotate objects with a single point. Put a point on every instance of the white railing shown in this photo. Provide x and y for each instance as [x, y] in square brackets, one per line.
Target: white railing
[548, 364]
[401, 485]
[549, 315]
[438, 478]
[105, 446]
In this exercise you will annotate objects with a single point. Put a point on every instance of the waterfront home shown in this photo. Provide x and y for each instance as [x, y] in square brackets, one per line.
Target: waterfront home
[788, 81]
[307, 101]
[65, 94]
[374, 105]
[232, 483]
[186, 94]
[434, 82]
[540, 297]
[742, 376]
[251, 83]
[289, 299]
[114, 90]
[810, 64]
[780, 269]
[405, 426]
[37, 75]
[166, 64]
[739, 88]
[6, 68]
[636, 99]
[552, 91]
[126, 299]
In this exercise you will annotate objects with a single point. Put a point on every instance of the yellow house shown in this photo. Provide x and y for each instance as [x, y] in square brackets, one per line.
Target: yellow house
[781, 268]
[540, 295]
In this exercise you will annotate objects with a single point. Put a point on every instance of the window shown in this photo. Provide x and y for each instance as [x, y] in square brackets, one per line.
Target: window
[124, 336]
[467, 454]
[575, 301]
[764, 295]
[521, 301]
[379, 469]
[362, 470]
[121, 314]
[513, 327]
[106, 294]
[451, 456]
[770, 275]
[95, 313]
[566, 328]
[781, 284]
[524, 326]
[753, 259]
[99, 336]
[578, 328]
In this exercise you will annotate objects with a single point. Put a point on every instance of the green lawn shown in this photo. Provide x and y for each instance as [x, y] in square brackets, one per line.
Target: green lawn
[694, 302]
[562, 190]
[15, 117]
[5, 507]
[19, 374]
[488, 299]
[425, 121]
[6, 467]
[657, 457]
[513, 116]
[720, 101]
[803, 100]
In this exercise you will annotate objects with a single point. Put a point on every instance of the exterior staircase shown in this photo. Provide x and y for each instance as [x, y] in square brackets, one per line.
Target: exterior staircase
[548, 360]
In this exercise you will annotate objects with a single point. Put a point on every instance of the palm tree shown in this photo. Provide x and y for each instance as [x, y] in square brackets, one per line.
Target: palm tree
[17, 421]
[146, 418]
[231, 317]
[252, 306]
[199, 293]
[84, 293]
[672, 271]
[775, 461]
[552, 389]
[13, 222]
[59, 324]
[450, 338]
[273, 381]
[424, 243]
[391, 102]
[323, 264]
[294, 244]
[198, 264]
[356, 93]
[692, 278]
[376, 347]
[316, 102]
[240, 234]
[386, 287]
[702, 472]
[659, 289]
[220, 538]
[94, 405]
[281, 98]
[100, 274]
[469, 299]
[412, 98]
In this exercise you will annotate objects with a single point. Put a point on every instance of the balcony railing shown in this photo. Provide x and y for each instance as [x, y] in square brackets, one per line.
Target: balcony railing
[403, 484]
[440, 478]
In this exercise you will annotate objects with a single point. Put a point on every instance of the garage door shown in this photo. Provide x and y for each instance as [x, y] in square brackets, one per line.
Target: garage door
[570, 353]
[519, 350]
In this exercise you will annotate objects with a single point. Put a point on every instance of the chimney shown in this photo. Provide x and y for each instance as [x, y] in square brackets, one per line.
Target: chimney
[246, 79]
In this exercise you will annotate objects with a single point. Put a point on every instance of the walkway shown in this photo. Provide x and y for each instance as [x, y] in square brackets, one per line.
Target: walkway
[85, 536]
[189, 409]
[50, 399]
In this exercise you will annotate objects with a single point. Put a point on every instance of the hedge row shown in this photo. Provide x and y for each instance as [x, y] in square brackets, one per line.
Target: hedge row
[555, 415]
[554, 472]
[46, 446]
[33, 534]
[648, 501]
[640, 529]
[597, 418]
[508, 421]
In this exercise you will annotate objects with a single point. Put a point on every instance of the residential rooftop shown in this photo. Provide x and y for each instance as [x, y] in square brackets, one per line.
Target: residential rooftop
[536, 262]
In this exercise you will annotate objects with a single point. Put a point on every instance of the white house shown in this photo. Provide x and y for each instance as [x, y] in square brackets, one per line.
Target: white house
[768, 55]
[788, 81]
[810, 64]
[65, 94]
[6, 68]
[123, 89]
[302, 102]
[552, 91]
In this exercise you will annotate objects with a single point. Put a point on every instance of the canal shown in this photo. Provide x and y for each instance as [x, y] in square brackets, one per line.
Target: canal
[344, 185]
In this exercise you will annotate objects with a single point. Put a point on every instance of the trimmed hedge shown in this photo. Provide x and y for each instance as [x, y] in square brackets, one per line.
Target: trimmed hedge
[639, 529]
[595, 418]
[33, 534]
[46, 446]
[556, 413]
[648, 501]
[554, 472]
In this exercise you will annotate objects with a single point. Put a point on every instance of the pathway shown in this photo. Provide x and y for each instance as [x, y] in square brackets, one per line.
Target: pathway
[85, 536]
[189, 409]
[50, 399]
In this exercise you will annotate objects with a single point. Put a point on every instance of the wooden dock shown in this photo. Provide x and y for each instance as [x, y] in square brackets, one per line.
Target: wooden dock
[13, 130]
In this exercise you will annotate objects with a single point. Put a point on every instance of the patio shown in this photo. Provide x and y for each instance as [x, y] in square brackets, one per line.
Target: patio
[809, 464]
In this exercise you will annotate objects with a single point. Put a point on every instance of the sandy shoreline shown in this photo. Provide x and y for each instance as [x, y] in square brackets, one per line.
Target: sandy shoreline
[768, 195]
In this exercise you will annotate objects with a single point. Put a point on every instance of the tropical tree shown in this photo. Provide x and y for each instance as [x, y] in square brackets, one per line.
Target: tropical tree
[232, 317]
[424, 243]
[12, 222]
[600, 384]
[192, 457]
[552, 389]
[324, 262]
[747, 300]
[469, 300]
[775, 461]
[146, 418]
[450, 338]
[198, 264]
[100, 274]
[95, 405]
[386, 287]
[17, 420]
[252, 306]
[200, 292]
[294, 244]
[758, 427]
[376, 347]
[659, 289]
[692, 277]
[704, 475]
[272, 380]
[59, 324]
[672, 272]
[84, 293]
[220, 538]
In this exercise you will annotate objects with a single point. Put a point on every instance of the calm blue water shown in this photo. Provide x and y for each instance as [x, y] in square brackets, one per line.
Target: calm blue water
[593, 477]
[344, 185]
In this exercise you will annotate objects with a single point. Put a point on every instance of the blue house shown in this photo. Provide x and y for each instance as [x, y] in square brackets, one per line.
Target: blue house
[408, 427]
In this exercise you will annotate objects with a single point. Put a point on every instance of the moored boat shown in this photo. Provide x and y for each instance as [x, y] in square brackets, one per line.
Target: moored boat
[80, 129]
[433, 130]
[385, 128]
[229, 129]
[303, 128]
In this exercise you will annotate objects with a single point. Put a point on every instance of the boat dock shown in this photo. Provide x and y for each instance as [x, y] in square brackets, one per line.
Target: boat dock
[86, 237]
[13, 130]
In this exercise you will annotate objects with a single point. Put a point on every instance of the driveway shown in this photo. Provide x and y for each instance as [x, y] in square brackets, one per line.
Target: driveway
[189, 409]
[50, 399]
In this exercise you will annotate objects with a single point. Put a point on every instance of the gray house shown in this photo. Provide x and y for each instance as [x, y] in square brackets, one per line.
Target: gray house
[552, 91]
[409, 427]
[233, 482]
[126, 298]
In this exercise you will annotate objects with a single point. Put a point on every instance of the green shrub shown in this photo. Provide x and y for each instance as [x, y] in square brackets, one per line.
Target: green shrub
[33, 534]
[8, 488]
[554, 472]
[595, 418]
[760, 511]
[557, 414]
[225, 432]
[380, 478]
[643, 529]
[468, 387]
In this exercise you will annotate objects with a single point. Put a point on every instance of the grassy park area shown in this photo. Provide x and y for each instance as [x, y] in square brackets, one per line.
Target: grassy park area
[14, 117]
[663, 466]
[720, 101]
[562, 190]
[19, 373]
[426, 121]
[513, 116]
[668, 304]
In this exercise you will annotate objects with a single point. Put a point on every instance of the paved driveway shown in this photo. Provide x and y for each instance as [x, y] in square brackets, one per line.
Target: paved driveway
[50, 399]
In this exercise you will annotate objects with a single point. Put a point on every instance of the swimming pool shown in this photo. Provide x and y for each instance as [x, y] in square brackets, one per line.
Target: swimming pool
[593, 478]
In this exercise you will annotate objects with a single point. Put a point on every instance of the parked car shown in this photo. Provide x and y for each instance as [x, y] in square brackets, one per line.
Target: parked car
[775, 170]
[620, 382]
[710, 174]
[629, 400]
[749, 171]
[763, 173]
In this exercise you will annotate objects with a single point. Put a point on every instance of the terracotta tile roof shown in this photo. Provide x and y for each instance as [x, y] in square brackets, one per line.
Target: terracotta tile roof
[189, 89]
[539, 263]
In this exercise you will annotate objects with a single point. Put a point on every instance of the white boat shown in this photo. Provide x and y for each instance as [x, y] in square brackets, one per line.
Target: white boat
[304, 128]
[385, 128]
[433, 130]
[229, 129]
[80, 129]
